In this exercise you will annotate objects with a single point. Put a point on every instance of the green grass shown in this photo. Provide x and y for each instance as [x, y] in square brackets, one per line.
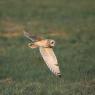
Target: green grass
[71, 23]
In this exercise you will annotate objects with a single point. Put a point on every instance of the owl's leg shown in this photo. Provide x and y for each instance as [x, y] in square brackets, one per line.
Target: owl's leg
[32, 45]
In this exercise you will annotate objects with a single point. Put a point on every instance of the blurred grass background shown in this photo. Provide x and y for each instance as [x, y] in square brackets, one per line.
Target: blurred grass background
[71, 23]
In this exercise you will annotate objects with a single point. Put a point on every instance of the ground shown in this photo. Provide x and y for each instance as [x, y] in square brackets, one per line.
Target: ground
[71, 23]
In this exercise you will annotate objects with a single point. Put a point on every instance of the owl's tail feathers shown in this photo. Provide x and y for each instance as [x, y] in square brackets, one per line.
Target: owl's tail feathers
[31, 45]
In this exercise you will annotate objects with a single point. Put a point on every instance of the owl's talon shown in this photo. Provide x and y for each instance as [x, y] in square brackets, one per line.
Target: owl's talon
[30, 44]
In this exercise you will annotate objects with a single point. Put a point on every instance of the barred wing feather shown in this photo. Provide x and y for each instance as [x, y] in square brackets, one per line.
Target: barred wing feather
[50, 59]
[33, 38]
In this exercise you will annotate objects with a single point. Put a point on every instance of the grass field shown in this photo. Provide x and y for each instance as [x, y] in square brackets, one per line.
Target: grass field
[71, 23]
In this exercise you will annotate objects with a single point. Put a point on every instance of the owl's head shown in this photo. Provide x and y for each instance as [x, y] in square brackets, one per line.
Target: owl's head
[51, 43]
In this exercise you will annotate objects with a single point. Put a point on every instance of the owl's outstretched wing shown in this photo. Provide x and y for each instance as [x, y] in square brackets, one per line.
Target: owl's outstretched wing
[51, 60]
[32, 37]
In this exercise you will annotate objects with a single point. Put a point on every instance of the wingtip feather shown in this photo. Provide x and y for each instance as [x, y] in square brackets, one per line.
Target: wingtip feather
[59, 76]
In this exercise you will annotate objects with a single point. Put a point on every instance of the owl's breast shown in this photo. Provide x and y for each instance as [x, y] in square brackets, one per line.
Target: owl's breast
[42, 43]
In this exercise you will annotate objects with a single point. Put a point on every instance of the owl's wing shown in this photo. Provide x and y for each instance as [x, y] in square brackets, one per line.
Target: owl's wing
[32, 37]
[51, 60]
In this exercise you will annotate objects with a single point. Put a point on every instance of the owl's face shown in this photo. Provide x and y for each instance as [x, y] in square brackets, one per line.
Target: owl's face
[51, 43]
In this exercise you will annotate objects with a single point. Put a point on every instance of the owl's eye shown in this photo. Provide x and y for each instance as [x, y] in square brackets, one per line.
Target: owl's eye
[52, 42]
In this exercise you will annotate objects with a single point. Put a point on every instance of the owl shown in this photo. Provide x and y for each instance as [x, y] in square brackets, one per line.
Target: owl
[46, 49]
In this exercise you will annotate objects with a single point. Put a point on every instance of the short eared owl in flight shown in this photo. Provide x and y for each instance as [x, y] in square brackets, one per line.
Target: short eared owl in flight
[45, 47]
